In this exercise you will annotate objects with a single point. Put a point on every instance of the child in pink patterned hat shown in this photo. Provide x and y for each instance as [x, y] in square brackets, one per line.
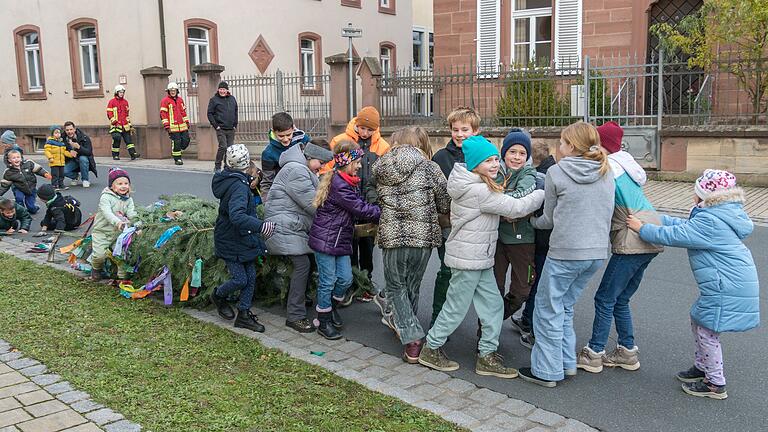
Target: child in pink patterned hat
[724, 270]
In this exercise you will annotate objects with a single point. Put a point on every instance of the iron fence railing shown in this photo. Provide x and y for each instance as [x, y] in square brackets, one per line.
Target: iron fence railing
[630, 90]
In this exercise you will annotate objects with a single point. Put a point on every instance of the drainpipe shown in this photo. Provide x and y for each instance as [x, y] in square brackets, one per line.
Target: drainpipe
[162, 32]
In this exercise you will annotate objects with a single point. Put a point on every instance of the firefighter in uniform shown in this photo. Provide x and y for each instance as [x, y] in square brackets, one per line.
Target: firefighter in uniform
[175, 121]
[120, 124]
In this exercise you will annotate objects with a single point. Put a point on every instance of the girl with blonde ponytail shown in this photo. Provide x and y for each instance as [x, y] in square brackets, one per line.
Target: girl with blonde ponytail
[578, 206]
[338, 204]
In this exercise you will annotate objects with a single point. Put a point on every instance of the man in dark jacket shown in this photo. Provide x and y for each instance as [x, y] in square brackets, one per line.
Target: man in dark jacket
[14, 217]
[222, 114]
[62, 213]
[80, 159]
[238, 237]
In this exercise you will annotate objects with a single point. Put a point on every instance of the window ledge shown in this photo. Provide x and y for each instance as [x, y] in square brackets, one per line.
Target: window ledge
[88, 93]
[41, 95]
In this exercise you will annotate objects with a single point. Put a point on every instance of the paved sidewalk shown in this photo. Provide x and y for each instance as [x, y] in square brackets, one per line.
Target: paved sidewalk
[34, 400]
[677, 198]
[456, 400]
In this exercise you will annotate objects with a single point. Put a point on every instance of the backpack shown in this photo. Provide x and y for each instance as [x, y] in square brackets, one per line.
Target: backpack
[72, 214]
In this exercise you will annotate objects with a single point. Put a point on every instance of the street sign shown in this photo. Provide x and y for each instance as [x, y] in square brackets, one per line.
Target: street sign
[351, 32]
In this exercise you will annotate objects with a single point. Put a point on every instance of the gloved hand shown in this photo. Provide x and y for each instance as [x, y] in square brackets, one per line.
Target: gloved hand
[267, 229]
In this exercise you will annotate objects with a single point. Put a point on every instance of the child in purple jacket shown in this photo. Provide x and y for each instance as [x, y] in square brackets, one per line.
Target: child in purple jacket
[338, 204]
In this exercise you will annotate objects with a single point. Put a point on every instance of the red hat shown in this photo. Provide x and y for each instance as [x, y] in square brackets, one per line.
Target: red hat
[115, 173]
[610, 136]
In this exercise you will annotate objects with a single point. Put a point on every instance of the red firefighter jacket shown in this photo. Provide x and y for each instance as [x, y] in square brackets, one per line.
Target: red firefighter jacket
[173, 112]
[118, 115]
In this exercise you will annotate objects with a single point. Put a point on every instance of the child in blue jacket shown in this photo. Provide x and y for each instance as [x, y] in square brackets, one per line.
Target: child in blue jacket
[724, 271]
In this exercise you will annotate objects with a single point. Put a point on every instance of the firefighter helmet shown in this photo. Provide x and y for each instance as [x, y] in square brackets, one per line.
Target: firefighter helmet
[119, 88]
[172, 86]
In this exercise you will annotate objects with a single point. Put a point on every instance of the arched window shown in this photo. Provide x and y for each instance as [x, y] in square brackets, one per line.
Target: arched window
[387, 58]
[310, 61]
[29, 62]
[201, 37]
[85, 60]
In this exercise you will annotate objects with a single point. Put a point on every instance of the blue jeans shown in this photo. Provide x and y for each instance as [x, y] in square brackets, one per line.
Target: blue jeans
[538, 263]
[620, 281]
[27, 201]
[243, 279]
[74, 165]
[334, 278]
[560, 287]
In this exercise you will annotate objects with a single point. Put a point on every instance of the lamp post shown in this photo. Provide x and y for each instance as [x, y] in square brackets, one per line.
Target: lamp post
[350, 33]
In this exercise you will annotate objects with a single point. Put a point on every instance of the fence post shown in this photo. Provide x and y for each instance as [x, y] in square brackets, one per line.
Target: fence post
[338, 89]
[660, 92]
[370, 71]
[208, 78]
[153, 142]
[586, 89]
[280, 91]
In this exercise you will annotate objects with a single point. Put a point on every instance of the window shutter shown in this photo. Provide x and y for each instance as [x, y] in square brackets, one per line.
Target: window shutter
[568, 33]
[488, 14]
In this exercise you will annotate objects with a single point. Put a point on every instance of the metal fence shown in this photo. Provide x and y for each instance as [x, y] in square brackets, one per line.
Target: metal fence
[628, 90]
[306, 98]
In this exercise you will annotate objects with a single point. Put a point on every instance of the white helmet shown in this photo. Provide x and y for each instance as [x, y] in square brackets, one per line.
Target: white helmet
[172, 86]
[119, 88]
[238, 157]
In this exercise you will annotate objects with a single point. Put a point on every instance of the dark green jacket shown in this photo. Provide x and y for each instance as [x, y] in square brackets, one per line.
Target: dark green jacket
[22, 220]
[519, 183]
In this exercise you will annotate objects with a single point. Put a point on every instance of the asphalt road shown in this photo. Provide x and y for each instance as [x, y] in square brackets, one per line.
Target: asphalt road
[615, 400]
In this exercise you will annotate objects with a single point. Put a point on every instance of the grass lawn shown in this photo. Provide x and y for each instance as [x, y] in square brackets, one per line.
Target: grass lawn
[170, 372]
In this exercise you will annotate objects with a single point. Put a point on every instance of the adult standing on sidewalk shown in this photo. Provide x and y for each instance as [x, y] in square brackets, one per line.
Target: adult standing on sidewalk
[80, 157]
[173, 113]
[120, 123]
[222, 114]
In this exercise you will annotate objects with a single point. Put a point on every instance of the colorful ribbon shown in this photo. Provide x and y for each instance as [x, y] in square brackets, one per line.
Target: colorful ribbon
[166, 236]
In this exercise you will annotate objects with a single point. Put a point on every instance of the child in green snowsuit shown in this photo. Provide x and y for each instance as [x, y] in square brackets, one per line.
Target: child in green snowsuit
[116, 211]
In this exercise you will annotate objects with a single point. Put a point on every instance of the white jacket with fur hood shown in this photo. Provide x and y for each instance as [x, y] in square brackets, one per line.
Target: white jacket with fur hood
[475, 212]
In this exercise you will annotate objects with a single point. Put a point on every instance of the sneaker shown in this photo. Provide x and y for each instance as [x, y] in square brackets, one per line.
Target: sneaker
[349, 297]
[412, 351]
[366, 297]
[436, 359]
[527, 340]
[527, 375]
[382, 303]
[623, 357]
[73, 182]
[519, 325]
[570, 372]
[248, 320]
[301, 326]
[589, 360]
[224, 309]
[86, 184]
[493, 365]
[691, 375]
[389, 321]
[705, 389]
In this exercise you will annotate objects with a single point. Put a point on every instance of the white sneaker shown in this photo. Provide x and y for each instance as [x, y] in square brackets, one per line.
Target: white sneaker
[73, 182]
[86, 184]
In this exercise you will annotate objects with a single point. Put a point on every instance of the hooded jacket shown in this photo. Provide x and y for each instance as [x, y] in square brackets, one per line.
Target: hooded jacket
[519, 183]
[111, 208]
[86, 149]
[578, 207]
[475, 212]
[542, 235]
[630, 199]
[237, 234]
[333, 227]
[23, 178]
[56, 151]
[62, 214]
[374, 147]
[412, 191]
[722, 265]
[222, 112]
[270, 158]
[290, 205]
[22, 220]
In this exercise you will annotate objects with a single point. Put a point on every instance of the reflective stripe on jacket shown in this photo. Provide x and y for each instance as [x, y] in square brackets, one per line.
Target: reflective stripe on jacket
[173, 113]
[118, 115]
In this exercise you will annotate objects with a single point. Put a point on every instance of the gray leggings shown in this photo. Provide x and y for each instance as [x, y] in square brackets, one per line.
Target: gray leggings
[296, 306]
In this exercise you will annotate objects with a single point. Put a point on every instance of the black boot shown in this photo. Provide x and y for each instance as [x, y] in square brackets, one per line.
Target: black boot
[115, 156]
[325, 328]
[248, 320]
[178, 161]
[224, 309]
[335, 317]
[133, 154]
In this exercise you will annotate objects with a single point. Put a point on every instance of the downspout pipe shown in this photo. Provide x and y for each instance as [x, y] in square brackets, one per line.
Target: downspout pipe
[162, 33]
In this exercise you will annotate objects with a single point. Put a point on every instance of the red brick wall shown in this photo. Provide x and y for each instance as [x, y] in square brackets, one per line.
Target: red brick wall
[455, 23]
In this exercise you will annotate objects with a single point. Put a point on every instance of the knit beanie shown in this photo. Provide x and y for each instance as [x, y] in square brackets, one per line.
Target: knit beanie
[368, 117]
[115, 173]
[223, 85]
[610, 136]
[8, 137]
[477, 149]
[46, 192]
[55, 128]
[713, 181]
[238, 157]
[517, 136]
[312, 151]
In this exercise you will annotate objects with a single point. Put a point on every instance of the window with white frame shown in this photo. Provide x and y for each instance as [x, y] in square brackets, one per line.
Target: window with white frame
[384, 3]
[422, 104]
[32, 59]
[308, 63]
[89, 58]
[532, 32]
[431, 50]
[198, 44]
[385, 59]
[418, 49]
